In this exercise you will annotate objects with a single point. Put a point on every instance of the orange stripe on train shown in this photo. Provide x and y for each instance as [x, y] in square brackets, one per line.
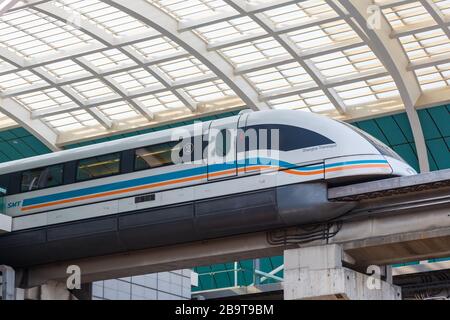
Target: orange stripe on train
[200, 177]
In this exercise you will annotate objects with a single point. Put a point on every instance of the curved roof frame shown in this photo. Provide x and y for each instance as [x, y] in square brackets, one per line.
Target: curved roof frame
[387, 48]
[314, 55]
[168, 27]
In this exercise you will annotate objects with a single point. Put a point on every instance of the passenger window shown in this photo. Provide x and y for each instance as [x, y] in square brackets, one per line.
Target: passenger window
[97, 167]
[290, 137]
[42, 178]
[223, 142]
[4, 183]
[154, 156]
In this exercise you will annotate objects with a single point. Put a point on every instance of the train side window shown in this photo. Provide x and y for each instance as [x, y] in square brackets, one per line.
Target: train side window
[98, 167]
[42, 178]
[159, 155]
[4, 182]
[290, 137]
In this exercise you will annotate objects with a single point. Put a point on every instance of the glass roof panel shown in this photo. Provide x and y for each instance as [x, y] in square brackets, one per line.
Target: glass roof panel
[192, 9]
[160, 102]
[108, 18]
[254, 52]
[87, 68]
[29, 33]
[280, 78]
[300, 13]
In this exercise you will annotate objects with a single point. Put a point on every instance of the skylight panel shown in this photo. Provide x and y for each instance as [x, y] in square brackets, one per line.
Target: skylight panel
[434, 77]
[280, 78]
[230, 30]
[324, 35]
[192, 9]
[182, 69]
[407, 15]
[209, 91]
[108, 60]
[107, 17]
[314, 101]
[31, 33]
[157, 48]
[136, 79]
[426, 45]
[254, 52]
[300, 13]
[160, 102]
[21, 79]
[66, 69]
[92, 89]
[118, 111]
[369, 91]
[70, 121]
[45, 99]
[347, 63]
[443, 6]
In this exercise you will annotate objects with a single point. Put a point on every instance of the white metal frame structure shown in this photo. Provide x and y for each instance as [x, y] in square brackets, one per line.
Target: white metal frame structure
[72, 70]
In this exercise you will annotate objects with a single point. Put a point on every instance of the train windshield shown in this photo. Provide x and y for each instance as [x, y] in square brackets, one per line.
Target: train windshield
[380, 146]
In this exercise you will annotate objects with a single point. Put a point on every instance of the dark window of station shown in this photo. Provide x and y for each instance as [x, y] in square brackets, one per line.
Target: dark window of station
[98, 167]
[42, 178]
[289, 137]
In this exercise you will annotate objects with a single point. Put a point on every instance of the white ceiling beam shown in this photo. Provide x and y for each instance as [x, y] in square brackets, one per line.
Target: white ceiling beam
[338, 81]
[191, 42]
[26, 4]
[109, 41]
[163, 79]
[36, 127]
[395, 3]
[112, 85]
[390, 52]
[103, 73]
[429, 62]
[414, 29]
[187, 25]
[72, 95]
[305, 55]
[48, 8]
[134, 95]
[437, 15]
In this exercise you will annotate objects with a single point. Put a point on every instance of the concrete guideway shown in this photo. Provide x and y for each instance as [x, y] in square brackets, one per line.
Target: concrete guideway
[396, 221]
[382, 188]
[399, 234]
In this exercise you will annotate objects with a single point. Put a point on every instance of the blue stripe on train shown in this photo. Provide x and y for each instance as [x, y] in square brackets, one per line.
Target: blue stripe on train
[175, 175]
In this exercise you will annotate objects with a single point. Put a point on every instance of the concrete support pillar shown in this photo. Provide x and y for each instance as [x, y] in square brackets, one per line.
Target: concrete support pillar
[52, 290]
[318, 273]
[7, 283]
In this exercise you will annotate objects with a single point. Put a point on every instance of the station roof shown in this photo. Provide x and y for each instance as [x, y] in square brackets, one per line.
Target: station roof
[72, 70]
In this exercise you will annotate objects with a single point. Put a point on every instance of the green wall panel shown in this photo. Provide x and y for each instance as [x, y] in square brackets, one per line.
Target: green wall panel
[17, 144]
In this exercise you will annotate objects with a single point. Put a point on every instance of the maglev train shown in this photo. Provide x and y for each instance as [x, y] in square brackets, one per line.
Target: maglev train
[252, 172]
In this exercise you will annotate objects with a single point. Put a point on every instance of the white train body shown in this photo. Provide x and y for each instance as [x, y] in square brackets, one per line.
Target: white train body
[313, 150]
